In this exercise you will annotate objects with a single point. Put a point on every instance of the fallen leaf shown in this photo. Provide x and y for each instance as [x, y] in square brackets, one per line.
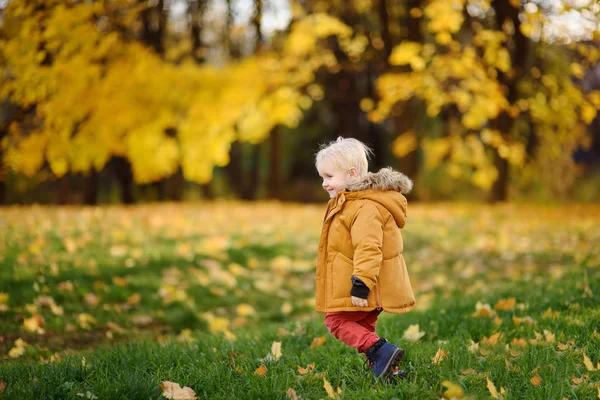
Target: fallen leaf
[413, 333]
[304, 371]
[588, 363]
[276, 350]
[172, 390]
[536, 380]
[329, 389]
[474, 347]
[492, 340]
[492, 388]
[134, 299]
[317, 342]
[505, 304]
[469, 371]
[119, 281]
[261, 371]
[439, 356]
[483, 310]
[2, 385]
[291, 394]
[577, 381]
[453, 391]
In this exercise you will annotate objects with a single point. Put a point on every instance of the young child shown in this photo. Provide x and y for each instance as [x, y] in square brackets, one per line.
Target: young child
[360, 267]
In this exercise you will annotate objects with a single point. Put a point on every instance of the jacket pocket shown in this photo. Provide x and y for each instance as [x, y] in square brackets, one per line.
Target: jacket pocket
[341, 276]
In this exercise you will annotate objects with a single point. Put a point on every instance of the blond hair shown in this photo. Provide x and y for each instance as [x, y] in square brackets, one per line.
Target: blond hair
[346, 153]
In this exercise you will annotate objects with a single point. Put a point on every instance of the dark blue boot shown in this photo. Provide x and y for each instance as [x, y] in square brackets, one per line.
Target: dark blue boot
[384, 358]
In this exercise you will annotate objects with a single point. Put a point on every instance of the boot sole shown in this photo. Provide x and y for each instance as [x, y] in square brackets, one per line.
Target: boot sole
[394, 362]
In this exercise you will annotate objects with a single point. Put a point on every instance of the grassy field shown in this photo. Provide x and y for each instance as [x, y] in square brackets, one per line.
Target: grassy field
[110, 302]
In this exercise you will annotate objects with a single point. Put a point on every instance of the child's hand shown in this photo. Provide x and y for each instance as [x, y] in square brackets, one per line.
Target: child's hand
[357, 301]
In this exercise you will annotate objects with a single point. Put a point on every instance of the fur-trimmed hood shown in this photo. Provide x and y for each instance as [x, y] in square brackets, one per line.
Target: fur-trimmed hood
[385, 187]
[385, 179]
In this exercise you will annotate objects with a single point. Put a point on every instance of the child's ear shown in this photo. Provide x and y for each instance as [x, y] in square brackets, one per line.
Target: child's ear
[353, 172]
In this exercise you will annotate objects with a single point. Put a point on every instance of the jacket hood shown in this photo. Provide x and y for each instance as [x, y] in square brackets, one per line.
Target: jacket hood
[385, 179]
[385, 187]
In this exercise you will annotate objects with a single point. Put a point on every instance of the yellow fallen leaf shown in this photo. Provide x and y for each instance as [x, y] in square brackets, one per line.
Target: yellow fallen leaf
[492, 388]
[174, 391]
[261, 371]
[413, 333]
[276, 350]
[453, 391]
[18, 350]
[134, 299]
[577, 381]
[317, 342]
[505, 304]
[304, 371]
[474, 347]
[483, 310]
[329, 389]
[536, 380]
[119, 281]
[439, 356]
[588, 363]
[549, 336]
[291, 394]
[34, 323]
[492, 340]
[245, 310]
[85, 320]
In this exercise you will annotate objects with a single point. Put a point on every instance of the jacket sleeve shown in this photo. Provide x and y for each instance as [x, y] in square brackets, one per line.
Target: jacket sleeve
[367, 238]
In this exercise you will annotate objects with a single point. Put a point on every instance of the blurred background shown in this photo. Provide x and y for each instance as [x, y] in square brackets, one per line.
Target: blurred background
[131, 101]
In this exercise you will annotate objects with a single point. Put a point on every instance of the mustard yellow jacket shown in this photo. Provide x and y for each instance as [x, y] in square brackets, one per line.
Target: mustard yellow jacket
[361, 242]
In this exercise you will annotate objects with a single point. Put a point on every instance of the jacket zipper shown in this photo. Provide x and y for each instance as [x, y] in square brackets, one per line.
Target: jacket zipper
[377, 299]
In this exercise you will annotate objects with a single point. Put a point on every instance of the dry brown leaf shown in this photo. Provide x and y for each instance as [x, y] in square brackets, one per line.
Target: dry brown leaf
[492, 388]
[329, 389]
[492, 340]
[172, 390]
[536, 380]
[304, 371]
[505, 304]
[469, 371]
[291, 394]
[119, 281]
[134, 299]
[562, 347]
[439, 356]
[261, 371]
[577, 381]
[317, 342]
[588, 363]
[2, 385]
[474, 347]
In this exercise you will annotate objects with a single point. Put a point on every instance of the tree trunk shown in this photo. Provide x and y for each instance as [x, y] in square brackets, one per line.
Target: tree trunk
[63, 190]
[500, 188]
[154, 21]
[196, 11]
[235, 173]
[275, 164]
[124, 176]
[256, 21]
[90, 188]
[408, 118]
[252, 180]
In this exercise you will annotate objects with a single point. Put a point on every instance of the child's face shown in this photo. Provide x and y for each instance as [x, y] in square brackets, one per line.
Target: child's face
[334, 180]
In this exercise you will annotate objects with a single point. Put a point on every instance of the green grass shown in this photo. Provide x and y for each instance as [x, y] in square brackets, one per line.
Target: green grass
[546, 258]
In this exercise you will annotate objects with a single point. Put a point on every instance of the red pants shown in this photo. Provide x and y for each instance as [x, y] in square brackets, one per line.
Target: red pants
[355, 328]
